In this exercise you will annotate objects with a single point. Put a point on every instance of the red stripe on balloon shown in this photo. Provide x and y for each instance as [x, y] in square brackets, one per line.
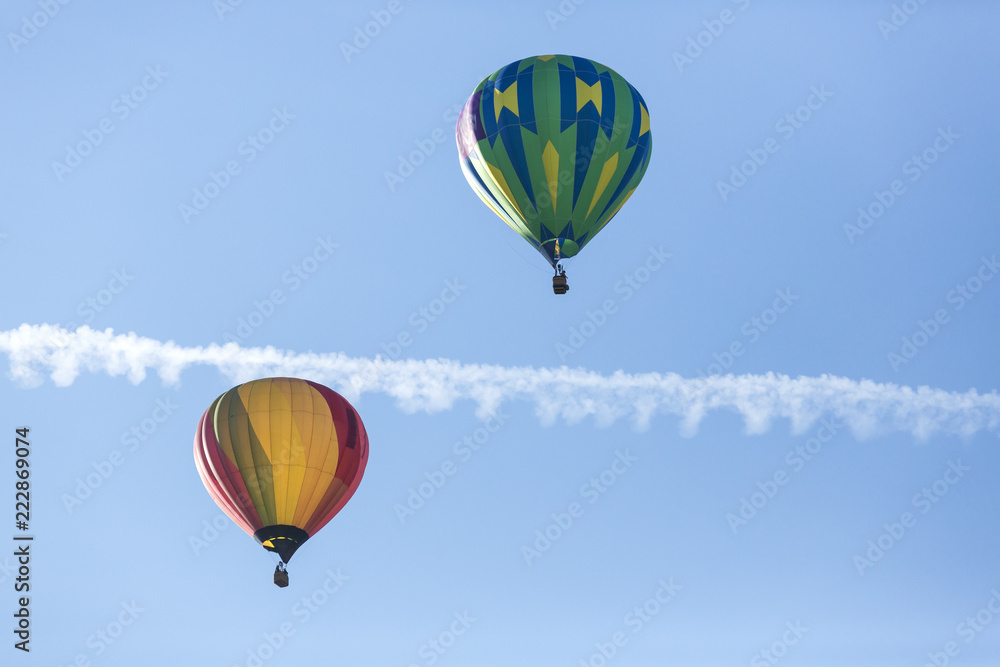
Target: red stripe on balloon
[213, 488]
[226, 476]
[353, 441]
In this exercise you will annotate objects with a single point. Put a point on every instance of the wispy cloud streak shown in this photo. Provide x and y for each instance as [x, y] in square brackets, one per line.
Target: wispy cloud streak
[868, 408]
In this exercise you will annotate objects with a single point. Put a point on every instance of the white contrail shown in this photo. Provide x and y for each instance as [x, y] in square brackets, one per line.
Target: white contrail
[435, 384]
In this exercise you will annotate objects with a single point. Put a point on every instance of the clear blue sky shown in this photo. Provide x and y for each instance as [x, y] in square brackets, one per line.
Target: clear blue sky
[904, 115]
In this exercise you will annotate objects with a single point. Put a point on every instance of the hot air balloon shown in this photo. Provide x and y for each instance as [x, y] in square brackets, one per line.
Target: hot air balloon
[281, 457]
[554, 145]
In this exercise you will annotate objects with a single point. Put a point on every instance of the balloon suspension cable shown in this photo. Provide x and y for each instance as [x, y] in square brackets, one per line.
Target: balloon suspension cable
[280, 575]
[559, 285]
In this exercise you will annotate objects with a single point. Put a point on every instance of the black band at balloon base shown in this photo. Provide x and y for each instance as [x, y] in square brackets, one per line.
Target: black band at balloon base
[283, 540]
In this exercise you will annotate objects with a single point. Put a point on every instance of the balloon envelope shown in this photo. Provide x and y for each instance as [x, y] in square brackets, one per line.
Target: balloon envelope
[554, 145]
[281, 457]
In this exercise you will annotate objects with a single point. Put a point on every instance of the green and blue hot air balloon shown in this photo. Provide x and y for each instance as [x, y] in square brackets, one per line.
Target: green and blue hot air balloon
[555, 145]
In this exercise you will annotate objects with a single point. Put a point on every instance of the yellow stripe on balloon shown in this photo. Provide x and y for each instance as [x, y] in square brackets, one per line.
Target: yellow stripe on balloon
[315, 425]
[291, 430]
[256, 398]
[501, 213]
[606, 173]
[644, 122]
[278, 436]
[550, 158]
[497, 177]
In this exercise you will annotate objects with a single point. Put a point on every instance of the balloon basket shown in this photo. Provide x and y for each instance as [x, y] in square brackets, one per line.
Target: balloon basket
[280, 576]
[559, 285]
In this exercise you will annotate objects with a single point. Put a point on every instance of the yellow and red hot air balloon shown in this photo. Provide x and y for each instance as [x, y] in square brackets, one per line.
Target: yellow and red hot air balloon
[281, 457]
